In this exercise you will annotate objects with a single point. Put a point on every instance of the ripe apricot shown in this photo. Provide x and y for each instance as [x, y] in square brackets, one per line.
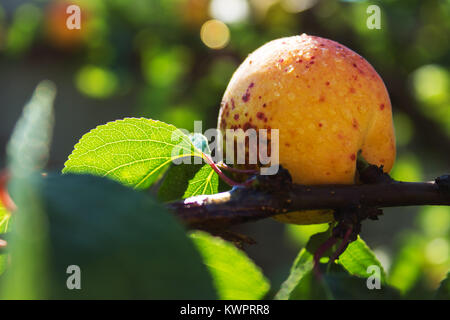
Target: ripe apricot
[327, 102]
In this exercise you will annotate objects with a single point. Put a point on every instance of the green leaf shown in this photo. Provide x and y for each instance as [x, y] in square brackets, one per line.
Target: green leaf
[336, 284]
[132, 151]
[292, 288]
[188, 180]
[443, 292]
[358, 257]
[176, 181]
[340, 285]
[302, 284]
[128, 247]
[205, 181]
[235, 275]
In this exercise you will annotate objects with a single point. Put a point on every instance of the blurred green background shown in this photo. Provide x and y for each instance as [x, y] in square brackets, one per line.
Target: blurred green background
[172, 59]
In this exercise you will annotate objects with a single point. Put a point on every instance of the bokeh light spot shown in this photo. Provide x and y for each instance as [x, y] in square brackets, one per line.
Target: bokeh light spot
[435, 220]
[164, 67]
[431, 83]
[96, 82]
[436, 251]
[215, 34]
[24, 26]
[294, 6]
[229, 11]
[407, 168]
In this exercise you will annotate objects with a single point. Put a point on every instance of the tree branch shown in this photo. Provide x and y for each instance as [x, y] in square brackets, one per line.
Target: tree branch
[273, 195]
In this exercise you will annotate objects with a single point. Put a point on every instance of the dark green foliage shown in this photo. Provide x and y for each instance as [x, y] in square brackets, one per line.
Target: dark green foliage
[128, 247]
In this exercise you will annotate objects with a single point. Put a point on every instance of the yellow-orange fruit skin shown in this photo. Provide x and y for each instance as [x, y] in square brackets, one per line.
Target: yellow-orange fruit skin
[327, 103]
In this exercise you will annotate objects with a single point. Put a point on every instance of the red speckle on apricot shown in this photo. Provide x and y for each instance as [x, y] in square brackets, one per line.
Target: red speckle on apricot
[260, 115]
[247, 126]
[246, 96]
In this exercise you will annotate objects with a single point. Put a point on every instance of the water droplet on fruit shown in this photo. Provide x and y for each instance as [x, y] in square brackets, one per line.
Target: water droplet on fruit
[289, 69]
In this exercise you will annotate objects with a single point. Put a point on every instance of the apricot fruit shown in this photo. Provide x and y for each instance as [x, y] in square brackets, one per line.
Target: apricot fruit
[327, 102]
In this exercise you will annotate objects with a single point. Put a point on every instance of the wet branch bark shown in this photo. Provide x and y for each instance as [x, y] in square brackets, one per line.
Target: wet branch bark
[269, 198]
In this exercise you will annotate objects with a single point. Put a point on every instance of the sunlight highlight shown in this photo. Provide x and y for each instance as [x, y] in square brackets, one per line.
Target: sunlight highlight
[215, 34]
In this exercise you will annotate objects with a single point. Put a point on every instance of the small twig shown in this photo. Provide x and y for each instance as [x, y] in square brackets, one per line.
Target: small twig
[216, 169]
[324, 247]
[343, 245]
[231, 169]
